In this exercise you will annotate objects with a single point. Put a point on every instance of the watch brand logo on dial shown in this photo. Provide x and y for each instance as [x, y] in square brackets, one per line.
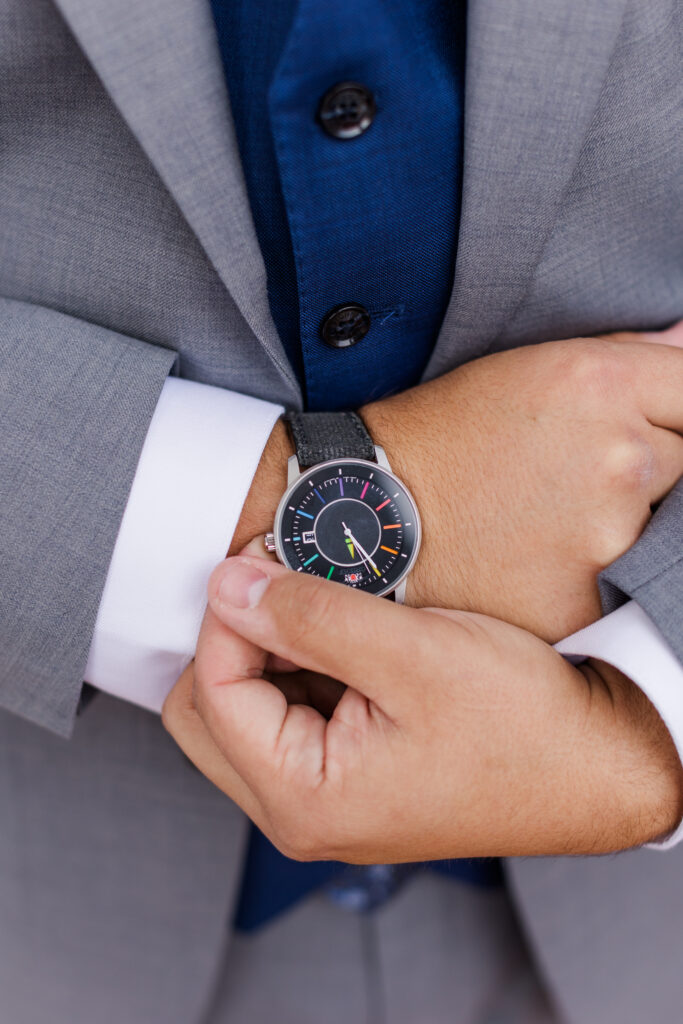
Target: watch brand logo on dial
[353, 577]
[350, 521]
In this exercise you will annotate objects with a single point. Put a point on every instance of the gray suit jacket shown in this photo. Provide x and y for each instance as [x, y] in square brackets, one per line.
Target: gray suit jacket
[127, 252]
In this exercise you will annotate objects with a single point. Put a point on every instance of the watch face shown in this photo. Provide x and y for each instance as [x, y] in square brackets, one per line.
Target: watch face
[350, 521]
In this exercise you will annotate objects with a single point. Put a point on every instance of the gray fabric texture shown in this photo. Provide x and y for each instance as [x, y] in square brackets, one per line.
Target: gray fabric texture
[606, 933]
[652, 572]
[439, 952]
[319, 436]
[75, 403]
[118, 867]
[127, 251]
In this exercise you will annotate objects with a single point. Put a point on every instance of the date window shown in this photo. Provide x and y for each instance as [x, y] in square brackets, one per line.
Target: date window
[308, 537]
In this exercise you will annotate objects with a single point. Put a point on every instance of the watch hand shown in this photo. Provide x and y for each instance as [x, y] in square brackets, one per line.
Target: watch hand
[363, 553]
[350, 539]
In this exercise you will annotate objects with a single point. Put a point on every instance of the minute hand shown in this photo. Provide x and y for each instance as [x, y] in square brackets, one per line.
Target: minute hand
[362, 550]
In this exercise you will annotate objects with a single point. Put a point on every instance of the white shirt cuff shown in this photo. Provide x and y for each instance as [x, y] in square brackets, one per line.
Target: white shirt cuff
[629, 640]
[197, 464]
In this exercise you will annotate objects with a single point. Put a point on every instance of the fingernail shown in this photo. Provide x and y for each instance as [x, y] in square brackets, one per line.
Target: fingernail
[242, 585]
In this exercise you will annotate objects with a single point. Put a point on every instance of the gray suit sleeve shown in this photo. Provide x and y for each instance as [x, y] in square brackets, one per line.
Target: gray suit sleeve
[651, 572]
[76, 401]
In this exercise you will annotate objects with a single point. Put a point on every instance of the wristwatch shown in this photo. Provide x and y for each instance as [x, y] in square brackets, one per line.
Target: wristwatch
[345, 516]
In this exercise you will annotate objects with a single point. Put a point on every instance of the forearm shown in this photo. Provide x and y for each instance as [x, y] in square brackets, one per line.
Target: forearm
[648, 785]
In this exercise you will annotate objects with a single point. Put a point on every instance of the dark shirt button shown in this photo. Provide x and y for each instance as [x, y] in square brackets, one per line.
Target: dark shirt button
[345, 325]
[347, 110]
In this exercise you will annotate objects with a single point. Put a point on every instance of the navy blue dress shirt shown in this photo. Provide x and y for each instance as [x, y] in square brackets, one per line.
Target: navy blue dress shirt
[367, 217]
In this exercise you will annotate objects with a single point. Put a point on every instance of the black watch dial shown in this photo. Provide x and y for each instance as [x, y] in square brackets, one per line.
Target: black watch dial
[350, 521]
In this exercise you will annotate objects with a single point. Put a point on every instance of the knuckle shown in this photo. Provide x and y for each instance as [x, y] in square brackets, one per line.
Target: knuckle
[302, 839]
[594, 364]
[167, 715]
[629, 465]
[178, 703]
[172, 714]
[610, 539]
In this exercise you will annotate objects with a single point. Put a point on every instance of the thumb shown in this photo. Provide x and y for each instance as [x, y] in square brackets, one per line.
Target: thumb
[322, 626]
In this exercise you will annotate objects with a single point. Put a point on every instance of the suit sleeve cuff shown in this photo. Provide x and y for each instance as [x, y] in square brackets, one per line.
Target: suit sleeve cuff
[629, 640]
[197, 464]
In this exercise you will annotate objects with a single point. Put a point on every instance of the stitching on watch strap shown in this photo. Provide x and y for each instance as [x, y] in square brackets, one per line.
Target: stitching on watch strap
[321, 436]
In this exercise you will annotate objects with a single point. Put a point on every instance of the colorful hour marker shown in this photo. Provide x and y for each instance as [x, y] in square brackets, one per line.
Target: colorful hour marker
[391, 551]
[382, 505]
[341, 485]
[311, 559]
[319, 495]
[302, 513]
[393, 526]
[362, 493]
[330, 572]
[296, 538]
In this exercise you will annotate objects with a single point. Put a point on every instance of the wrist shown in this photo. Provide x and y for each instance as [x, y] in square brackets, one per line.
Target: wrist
[645, 767]
[267, 487]
[385, 425]
[399, 427]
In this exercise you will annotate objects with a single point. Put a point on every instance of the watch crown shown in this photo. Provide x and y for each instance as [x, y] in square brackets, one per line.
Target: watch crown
[269, 542]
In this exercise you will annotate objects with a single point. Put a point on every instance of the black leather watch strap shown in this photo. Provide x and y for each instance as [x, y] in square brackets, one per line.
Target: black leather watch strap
[319, 436]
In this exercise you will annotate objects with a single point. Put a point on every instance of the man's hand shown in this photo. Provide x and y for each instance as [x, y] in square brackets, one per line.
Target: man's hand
[412, 734]
[534, 469]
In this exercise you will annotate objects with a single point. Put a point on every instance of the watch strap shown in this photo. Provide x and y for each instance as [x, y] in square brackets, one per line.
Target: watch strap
[322, 436]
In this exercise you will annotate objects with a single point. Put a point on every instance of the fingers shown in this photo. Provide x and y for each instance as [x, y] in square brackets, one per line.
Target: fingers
[246, 715]
[320, 692]
[655, 360]
[325, 627]
[256, 549]
[657, 381]
[182, 721]
[236, 725]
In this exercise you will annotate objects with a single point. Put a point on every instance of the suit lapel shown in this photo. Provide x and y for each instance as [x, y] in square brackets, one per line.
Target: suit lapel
[160, 63]
[532, 82]
[533, 77]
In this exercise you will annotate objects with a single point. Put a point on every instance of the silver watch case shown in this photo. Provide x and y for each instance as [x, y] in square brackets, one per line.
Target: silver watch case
[294, 474]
